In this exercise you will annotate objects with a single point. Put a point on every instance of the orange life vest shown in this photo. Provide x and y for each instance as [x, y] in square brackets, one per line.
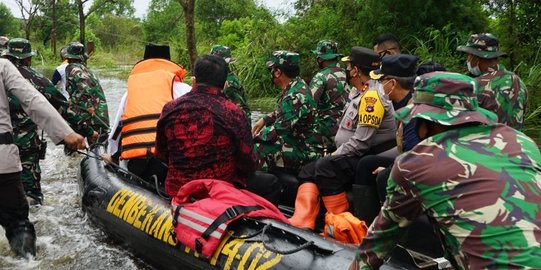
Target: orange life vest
[150, 87]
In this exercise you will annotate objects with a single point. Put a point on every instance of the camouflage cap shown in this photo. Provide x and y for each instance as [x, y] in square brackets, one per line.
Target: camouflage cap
[64, 52]
[19, 48]
[483, 45]
[76, 50]
[222, 51]
[327, 50]
[280, 58]
[446, 98]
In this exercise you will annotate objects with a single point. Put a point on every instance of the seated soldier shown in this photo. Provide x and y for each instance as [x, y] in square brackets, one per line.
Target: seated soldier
[367, 127]
[203, 135]
[152, 83]
[479, 181]
[281, 136]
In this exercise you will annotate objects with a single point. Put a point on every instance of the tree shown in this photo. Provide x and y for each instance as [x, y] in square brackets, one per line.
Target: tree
[96, 6]
[188, 7]
[9, 26]
[29, 9]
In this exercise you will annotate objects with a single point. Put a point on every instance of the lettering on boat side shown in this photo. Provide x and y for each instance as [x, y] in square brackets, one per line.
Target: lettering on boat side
[135, 210]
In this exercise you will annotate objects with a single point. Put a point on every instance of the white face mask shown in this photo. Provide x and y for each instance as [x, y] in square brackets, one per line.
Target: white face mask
[475, 71]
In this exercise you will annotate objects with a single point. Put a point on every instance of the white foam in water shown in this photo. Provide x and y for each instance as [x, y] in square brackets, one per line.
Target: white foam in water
[65, 238]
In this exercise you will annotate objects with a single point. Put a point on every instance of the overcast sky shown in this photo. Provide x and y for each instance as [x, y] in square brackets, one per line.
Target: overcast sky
[142, 5]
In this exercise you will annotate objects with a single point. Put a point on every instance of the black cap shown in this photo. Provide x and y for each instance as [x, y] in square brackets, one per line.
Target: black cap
[428, 67]
[398, 65]
[157, 51]
[363, 57]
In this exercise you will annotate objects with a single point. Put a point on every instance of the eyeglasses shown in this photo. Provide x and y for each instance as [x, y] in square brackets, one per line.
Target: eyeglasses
[385, 52]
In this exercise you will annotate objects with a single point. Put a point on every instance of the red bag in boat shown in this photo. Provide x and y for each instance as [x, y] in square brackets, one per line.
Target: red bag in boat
[200, 225]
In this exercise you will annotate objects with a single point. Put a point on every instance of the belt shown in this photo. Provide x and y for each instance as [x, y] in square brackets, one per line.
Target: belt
[6, 138]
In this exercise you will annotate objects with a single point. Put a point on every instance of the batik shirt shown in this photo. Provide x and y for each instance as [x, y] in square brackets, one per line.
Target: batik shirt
[202, 135]
[481, 185]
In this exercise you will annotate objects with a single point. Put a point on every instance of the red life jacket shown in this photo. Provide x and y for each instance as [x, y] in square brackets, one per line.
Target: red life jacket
[202, 224]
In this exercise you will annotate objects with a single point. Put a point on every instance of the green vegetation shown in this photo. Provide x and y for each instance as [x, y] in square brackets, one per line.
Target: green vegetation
[429, 29]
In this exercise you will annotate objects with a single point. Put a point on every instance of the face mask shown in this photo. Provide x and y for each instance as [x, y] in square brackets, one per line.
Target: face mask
[348, 76]
[475, 71]
[388, 94]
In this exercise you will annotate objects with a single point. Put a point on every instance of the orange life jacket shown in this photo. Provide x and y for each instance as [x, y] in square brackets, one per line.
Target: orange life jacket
[150, 87]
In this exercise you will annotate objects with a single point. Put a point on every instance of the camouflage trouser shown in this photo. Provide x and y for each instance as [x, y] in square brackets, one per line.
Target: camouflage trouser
[31, 175]
[283, 156]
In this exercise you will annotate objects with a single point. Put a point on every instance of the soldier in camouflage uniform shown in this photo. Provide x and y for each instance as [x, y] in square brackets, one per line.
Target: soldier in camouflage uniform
[233, 89]
[500, 91]
[478, 180]
[19, 52]
[281, 136]
[328, 88]
[86, 94]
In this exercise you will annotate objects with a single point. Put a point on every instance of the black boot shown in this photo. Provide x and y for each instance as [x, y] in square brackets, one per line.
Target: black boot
[22, 238]
[366, 203]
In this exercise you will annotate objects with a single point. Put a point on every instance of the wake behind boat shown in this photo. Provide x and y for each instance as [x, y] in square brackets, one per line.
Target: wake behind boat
[141, 221]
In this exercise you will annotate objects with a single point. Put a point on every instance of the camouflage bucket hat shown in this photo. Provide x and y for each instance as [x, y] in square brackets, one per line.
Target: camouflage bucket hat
[280, 58]
[19, 48]
[446, 98]
[76, 50]
[327, 50]
[482, 45]
[224, 52]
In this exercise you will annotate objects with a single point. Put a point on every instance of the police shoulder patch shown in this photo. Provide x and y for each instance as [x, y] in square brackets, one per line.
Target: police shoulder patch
[371, 109]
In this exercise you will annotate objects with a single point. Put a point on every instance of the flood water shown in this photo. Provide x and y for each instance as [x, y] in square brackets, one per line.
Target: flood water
[66, 238]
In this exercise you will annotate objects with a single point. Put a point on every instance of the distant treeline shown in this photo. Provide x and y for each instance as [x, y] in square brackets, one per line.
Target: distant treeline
[429, 29]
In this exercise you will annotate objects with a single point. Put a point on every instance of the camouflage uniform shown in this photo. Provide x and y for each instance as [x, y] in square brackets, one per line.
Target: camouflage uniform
[481, 183]
[86, 95]
[282, 142]
[328, 88]
[24, 129]
[233, 89]
[500, 91]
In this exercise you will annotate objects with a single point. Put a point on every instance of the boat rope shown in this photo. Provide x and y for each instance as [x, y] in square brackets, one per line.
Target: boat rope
[283, 252]
[135, 178]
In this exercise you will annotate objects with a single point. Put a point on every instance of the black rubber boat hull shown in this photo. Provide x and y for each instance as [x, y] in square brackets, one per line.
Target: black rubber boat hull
[140, 221]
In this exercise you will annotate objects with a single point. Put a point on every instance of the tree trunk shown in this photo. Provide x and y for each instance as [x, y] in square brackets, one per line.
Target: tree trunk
[188, 7]
[81, 21]
[511, 30]
[53, 30]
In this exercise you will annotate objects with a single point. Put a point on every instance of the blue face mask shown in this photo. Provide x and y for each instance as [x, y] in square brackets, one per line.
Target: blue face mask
[475, 71]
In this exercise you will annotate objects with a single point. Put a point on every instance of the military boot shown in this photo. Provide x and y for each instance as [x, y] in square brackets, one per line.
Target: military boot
[22, 238]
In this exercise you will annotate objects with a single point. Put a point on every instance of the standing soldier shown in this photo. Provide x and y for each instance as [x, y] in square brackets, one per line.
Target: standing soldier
[328, 89]
[13, 204]
[86, 94]
[281, 136]
[480, 182]
[25, 132]
[500, 91]
[233, 89]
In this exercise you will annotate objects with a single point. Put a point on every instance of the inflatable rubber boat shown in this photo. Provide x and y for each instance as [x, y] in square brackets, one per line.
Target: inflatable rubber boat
[141, 221]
